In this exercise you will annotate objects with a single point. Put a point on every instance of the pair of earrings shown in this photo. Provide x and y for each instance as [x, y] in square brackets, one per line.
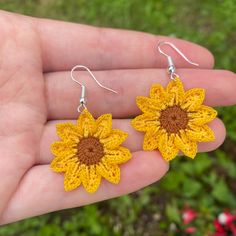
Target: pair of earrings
[173, 120]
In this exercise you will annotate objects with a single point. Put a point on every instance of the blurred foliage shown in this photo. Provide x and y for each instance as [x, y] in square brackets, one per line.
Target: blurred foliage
[206, 184]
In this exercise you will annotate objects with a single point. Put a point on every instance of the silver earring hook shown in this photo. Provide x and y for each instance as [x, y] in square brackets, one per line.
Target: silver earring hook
[83, 88]
[171, 66]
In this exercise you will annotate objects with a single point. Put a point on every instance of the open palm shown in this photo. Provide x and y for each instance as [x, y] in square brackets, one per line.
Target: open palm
[36, 56]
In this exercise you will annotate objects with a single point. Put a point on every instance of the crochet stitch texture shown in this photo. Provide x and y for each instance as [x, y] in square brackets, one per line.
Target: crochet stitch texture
[174, 119]
[88, 151]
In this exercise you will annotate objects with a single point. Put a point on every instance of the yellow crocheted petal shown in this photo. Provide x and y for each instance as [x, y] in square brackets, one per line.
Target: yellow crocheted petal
[104, 126]
[109, 172]
[200, 133]
[145, 121]
[60, 163]
[90, 178]
[151, 138]
[187, 146]
[68, 131]
[202, 115]
[146, 104]
[175, 92]
[72, 179]
[117, 156]
[115, 139]
[158, 93]
[62, 148]
[193, 99]
[167, 146]
[86, 123]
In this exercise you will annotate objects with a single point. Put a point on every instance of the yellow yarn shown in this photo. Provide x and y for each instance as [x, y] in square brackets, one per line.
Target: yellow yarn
[89, 151]
[174, 119]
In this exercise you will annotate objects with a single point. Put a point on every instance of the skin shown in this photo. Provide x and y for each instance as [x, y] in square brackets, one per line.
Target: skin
[36, 56]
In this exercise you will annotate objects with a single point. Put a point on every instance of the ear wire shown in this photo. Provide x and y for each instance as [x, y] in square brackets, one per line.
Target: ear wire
[171, 66]
[83, 88]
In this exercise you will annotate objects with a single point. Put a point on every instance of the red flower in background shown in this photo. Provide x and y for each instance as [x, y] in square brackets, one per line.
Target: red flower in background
[191, 230]
[225, 224]
[219, 229]
[188, 215]
[226, 218]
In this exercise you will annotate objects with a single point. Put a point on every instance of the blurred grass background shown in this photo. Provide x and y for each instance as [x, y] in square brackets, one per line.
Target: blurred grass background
[207, 184]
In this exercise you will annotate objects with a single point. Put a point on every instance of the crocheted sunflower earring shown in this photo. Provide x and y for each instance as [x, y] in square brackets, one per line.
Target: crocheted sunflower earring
[174, 119]
[90, 149]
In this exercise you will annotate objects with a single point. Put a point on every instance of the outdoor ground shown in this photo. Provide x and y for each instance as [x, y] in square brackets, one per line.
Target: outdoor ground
[207, 184]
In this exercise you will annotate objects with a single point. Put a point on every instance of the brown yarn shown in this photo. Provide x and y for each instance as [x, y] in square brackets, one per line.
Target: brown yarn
[89, 151]
[173, 119]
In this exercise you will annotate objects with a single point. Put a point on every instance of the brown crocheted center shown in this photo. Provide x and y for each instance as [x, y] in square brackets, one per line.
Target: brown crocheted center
[89, 151]
[173, 119]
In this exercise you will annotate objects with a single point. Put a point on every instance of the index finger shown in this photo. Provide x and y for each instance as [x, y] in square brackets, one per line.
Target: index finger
[67, 44]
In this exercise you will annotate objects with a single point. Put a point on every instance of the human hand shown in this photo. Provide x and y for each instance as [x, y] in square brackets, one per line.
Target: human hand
[36, 56]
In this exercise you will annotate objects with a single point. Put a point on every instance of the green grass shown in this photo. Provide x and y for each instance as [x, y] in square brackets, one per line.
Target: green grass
[207, 184]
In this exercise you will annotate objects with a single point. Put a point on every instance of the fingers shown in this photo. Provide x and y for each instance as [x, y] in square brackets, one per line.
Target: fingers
[134, 141]
[47, 193]
[66, 44]
[63, 94]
